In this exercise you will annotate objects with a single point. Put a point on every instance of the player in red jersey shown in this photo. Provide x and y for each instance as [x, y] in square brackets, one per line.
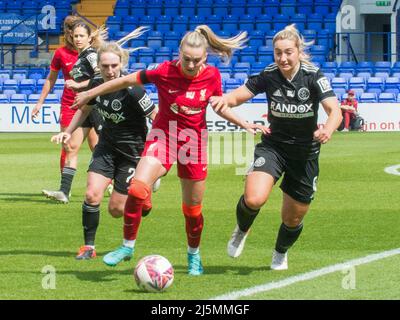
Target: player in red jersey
[64, 59]
[184, 88]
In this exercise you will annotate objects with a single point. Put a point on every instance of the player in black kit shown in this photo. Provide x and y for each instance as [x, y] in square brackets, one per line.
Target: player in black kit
[121, 140]
[294, 89]
[86, 43]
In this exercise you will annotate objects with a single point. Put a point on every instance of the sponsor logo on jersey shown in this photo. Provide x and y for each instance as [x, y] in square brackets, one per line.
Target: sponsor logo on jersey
[184, 109]
[92, 58]
[282, 110]
[324, 84]
[114, 117]
[303, 94]
[190, 94]
[290, 93]
[173, 91]
[145, 102]
[277, 93]
[116, 105]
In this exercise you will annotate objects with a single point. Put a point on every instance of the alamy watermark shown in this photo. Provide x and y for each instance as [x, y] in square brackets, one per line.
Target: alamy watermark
[49, 278]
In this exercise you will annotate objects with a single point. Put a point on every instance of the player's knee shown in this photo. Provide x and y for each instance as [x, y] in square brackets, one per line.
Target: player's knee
[116, 210]
[139, 190]
[254, 201]
[92, 197]
[191, 210]
[71, 148]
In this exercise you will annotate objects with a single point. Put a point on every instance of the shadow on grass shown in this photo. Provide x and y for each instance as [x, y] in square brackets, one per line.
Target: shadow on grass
[33, 197]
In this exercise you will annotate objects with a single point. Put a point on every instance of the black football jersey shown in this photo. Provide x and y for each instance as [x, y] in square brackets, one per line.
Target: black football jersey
[293, 106]
[86, 66]
[125, 114]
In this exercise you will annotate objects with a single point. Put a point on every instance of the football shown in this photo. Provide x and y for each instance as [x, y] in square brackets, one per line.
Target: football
[154, 273]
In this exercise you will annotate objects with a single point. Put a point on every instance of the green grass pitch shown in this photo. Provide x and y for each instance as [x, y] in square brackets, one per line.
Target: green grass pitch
[355, 213]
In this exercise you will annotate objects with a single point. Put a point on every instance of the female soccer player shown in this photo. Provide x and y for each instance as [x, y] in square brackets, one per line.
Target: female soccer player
[294, 89]
[179, 133]
[64, 59]
[121, 140]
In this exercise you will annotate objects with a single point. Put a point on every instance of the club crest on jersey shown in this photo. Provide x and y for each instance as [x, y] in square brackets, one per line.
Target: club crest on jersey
[290, 93]
[259, 162]
[203, 95]
[145, 102]
[116, 105]
[303, 94]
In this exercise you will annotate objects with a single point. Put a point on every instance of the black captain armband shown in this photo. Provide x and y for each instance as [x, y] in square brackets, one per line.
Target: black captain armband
[142, 77]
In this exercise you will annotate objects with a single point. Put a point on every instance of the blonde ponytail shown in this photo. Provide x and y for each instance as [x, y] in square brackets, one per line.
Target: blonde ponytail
[203, 36]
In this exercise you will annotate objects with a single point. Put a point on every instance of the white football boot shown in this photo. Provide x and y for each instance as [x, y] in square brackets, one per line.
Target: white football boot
[236, 243]
[279, 261]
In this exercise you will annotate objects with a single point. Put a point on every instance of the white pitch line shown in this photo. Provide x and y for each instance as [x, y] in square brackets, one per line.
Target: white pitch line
[393, 170]
[306, 276]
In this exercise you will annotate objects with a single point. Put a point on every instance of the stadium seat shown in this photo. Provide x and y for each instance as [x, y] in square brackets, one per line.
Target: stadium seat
[368, 97]
[357, 82]
[338, 82]
[348, 66]
[314, 21]
[345, 75]
[383, 75]
[255, 7]
[300, 19]
[375, 82]
[271, 7]
[305, 6]
[387, 97]
[10, 84]
[188, 8]
[330, 22]
[236, 7]
[242, 76]
[33, 98]
[154, 8]
[18, 98]
[329, 66]
[4, 98]
[383, 66]
[280, 21]
[365, 66]
[51, 98]
[365, 75]
[322, 7]
[392, 83]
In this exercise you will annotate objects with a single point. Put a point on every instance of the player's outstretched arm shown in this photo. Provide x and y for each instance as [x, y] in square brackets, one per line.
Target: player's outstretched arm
[84, 97]
[231, 99]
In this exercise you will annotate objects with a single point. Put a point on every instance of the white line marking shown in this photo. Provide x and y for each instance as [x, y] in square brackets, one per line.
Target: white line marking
[393, 170]
[306, 276]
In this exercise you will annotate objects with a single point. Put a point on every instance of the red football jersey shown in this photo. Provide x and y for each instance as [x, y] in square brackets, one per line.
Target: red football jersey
[64, 59]
[181, 98]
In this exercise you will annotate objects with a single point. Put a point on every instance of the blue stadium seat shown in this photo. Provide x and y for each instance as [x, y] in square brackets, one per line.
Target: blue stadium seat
[368, 97]
[232, 83]
[248, 54]
[4, 98]
[309, 34]
[236, 7]
[136, 8]
[154, 97]
[171, 8]
[365, 75]
[188, 8]
[348, 66]
[241, 67]
[288, 7]
[121, 8]
[392, 83]
[194, 21]
[10, 84]
[163, 23]
[33, 98]
[246, 23]
[357, 82]
[329, 66]
[322, 7]
[242, 76]
[52, 98]
[305, 6]
[329, 75]
[214, 22]
[271, 7]
[258, 66]
[27, 85]
[375, 82]
[59, 85]
[330, 22]
[263, 23]
[383, 66]
[257, 38]
[155, 40]
[280, 21]
[345, 75]
[14, 7]
[365, 66]
[154, 7]
[338, 82]
[221, 8]
[255, 7]
[300, 19]
[383, 75]
[314, 21]
[18, 98]
[387, 97]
